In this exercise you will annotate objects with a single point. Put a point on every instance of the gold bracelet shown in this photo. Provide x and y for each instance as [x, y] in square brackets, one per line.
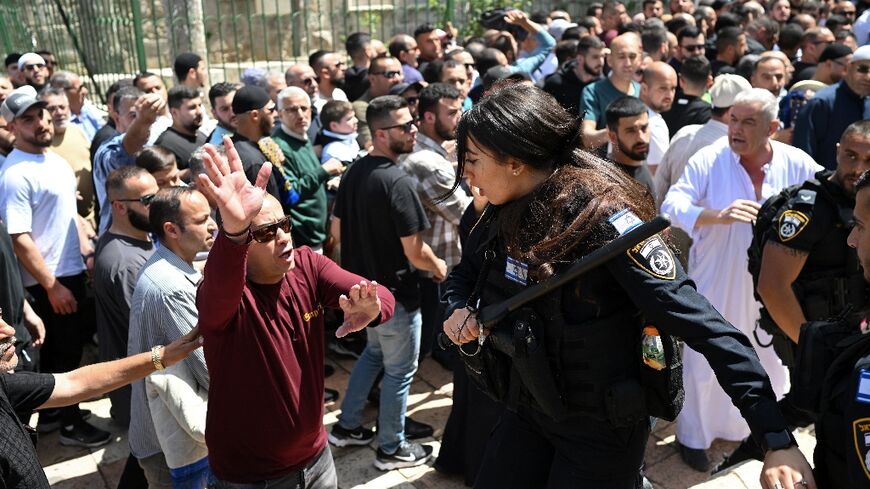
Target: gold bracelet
[155, 357]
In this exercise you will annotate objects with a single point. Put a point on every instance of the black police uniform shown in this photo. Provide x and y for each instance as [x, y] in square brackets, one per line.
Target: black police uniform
[817, 221]
[842, 455]
[595, 432]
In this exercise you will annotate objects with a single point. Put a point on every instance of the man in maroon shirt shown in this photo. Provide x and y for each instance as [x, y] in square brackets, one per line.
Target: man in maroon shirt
[261, 314]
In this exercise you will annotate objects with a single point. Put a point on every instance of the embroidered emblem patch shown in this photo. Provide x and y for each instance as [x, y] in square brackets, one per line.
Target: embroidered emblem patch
[861, 433]
[806, 196]
[516, 271]
[624, 221]
[654, 257]
[791, 223]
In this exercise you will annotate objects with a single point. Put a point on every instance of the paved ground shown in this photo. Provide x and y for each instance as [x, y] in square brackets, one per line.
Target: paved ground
[430, 400]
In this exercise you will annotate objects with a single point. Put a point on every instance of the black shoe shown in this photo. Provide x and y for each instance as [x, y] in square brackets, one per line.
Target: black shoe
[694, 457]
[407, 455]
[329, 395]
[341, 437]
[348, 346]
[84, 434]
[747, 450]
[328, 370]
[414, 430]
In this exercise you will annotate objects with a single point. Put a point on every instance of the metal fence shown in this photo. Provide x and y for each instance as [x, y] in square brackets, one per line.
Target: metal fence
[109, 39]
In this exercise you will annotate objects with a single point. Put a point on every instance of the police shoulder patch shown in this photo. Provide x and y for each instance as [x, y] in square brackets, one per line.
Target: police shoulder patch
[861, 434]
[654, 257]
[806, 196]
[791, 223]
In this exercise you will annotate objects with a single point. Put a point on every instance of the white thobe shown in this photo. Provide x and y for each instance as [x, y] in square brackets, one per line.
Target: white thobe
[713, 179]
[659, 136]
[685, 143]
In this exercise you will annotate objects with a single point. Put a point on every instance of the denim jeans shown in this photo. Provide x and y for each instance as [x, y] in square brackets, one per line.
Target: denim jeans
[320, 474]
[393, 346]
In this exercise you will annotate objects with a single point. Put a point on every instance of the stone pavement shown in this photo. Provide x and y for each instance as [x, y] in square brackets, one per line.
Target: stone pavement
[429, 401]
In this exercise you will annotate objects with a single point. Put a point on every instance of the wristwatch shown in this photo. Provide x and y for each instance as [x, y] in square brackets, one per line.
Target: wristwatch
[778, 440]
[155, 357]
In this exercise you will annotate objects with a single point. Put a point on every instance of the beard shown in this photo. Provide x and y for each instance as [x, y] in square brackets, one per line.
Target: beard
[138, 221]
[631, 152]
[444, 132]
[592, 71]
[193, 125]
[266, 126]
[40, 140]
[401, 147]
[338, 82]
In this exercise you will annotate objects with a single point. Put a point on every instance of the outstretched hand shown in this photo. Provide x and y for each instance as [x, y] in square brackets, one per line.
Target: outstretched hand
[227, 184]
[361, 306]
[786, 469]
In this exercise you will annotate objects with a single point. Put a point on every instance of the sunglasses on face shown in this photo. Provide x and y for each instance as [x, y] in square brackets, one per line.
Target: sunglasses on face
[693, 47]
[268, 232]
[144, 200]
[389, 75]
[863, 69]
[37, 66]
[406, 127]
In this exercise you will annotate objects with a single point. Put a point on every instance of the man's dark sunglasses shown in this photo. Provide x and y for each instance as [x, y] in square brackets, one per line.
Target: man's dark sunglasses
[144, 200]
[267, 232]
[389, 75]
[863, 69]
[406, 127]
[693, 47]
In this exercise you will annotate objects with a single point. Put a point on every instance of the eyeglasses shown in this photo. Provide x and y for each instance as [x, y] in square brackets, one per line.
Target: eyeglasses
[144, 200]
[296, 108]
[268, 232]
[843, 13]
[863, 69]
[309, 81]
[35, 66]
[693, 47]
[412, 100]
[389, 75]
[271, 109]
[469, 66]
[406, 127]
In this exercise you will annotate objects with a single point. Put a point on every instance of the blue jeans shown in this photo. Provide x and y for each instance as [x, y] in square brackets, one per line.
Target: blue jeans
[393, 346]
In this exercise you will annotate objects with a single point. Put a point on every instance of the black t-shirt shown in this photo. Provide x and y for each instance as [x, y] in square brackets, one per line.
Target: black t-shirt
[252, 160]
[19, 465]
[377, 203]
[687, 109]
[721, 68]
[802, 71]
[640, 173]
[565, 87]
[181, 145]
[12, 291]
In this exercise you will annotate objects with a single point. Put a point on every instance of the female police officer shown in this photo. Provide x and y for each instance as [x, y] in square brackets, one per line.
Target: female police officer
[569, 366]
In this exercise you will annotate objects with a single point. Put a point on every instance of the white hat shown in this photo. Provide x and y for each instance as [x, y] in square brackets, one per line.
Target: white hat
[30, 59]
[861, 54]
[725, 89]
[558, 27]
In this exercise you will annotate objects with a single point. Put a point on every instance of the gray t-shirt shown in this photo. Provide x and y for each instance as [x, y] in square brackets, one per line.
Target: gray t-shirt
[116, 267]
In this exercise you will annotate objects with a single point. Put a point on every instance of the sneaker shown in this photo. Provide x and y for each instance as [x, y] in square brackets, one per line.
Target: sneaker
[329, 395]
[415, 430]
[84, 434]
[747, 450]
[407, 455]
[51, 421]
[342, 437]
[348, 346]
[694, 457]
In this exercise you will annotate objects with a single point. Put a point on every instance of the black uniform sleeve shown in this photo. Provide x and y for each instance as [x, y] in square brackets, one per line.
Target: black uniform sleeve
[800, 225]
[462, 279]
[658, 286]
[857, 425]
[27, 390]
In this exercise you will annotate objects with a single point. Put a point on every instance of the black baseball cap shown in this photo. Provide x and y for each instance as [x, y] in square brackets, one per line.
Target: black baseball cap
[249, 98]
[834, 51]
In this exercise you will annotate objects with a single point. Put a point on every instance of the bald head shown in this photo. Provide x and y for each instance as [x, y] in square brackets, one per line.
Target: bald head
[270, 212]
[301, 75]
[658, 86]
[628, 40]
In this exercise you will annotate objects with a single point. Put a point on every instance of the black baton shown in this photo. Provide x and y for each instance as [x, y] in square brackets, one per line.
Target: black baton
[494, 313]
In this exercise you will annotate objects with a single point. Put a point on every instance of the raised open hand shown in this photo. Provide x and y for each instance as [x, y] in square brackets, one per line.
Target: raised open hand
[228, 186]
[361, 306]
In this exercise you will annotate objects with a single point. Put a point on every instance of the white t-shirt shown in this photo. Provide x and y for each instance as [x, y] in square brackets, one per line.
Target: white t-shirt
[38, 196]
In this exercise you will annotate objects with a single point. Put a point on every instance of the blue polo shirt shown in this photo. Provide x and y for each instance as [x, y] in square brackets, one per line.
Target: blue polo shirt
[822, 121]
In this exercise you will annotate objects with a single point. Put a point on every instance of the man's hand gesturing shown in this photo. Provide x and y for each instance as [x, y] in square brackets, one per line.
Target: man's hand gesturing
[361, 306]
[227, 184]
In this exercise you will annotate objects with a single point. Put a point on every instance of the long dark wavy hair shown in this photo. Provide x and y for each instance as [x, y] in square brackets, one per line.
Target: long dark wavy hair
[566, 216]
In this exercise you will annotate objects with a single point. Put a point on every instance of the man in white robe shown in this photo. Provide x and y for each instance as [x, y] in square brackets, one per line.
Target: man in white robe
[715, 200]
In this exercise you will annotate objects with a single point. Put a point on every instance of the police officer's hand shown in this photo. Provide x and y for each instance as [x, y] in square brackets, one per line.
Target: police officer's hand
[786, 469]
[740, 210]
[461, 327]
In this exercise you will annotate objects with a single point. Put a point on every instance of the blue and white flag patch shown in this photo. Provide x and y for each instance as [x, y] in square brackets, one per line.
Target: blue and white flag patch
[516, 271]
[624, 221]
[863, 394]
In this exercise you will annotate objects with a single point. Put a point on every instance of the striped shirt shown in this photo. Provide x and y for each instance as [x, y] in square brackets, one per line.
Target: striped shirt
[163, 309]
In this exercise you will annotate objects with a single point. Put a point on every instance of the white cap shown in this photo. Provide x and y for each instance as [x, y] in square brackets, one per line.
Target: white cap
[30, 59]
[725, 89]
[558, 27]
[861, 54]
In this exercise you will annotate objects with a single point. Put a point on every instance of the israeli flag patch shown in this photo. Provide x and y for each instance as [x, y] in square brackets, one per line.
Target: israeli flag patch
[863, 394]
[516, 271]
[624, 221]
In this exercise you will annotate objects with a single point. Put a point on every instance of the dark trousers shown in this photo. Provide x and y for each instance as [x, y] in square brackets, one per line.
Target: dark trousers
[62, 350]
[319, 474]
[432, 313]
[528, 450]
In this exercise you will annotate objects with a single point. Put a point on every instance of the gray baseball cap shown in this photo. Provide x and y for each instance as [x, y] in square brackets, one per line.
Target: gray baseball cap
[19, 101]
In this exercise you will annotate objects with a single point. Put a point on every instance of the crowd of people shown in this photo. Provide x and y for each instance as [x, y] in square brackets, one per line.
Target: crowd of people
[356, 202]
